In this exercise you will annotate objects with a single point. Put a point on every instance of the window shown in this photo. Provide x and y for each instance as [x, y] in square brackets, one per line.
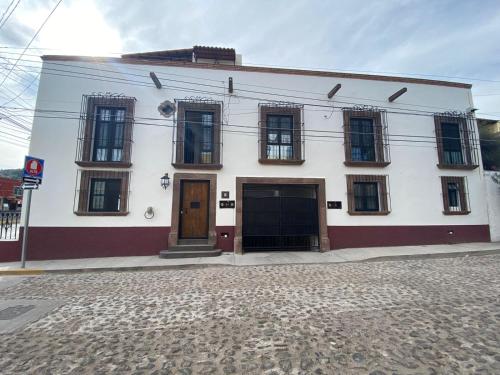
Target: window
[454, 195]
[362, 140]
[455, 140]
[366, 143]
[18, 191]
[199, 137]
[280, 134]
[279, 137]
[102, 193]
[367, 195]
[108, 134]
[198, 140]
[452, 145]
[105, 195]
[105, 133]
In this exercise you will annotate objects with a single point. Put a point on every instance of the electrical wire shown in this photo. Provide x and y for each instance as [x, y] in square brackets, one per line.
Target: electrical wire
[72, 72]
[31, 41]
[2, 20]
[255, 131]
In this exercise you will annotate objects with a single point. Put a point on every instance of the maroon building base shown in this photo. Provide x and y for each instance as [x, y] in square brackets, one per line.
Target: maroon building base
[371, 236]
[91, 242]
[87, 242]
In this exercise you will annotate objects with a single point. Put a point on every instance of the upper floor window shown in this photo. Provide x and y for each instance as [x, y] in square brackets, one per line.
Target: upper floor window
[456, 141]
[280, 134]
[109, 134]
[279, 137]
[198, 139]
[367, 195]
[454, 195]
[365, 137]
[105, 134]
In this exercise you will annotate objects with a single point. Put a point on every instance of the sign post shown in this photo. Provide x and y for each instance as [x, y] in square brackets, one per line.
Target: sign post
[32, 177]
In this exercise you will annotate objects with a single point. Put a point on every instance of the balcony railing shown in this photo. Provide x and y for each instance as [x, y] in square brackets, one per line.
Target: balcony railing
[9, 225]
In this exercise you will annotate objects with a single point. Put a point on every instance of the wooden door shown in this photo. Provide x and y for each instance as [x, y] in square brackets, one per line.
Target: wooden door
[194, 209]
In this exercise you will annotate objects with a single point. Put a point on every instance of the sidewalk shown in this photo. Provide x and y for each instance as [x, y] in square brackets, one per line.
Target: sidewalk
[252, 259]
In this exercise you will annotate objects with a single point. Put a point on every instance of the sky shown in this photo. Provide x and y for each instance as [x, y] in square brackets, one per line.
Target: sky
[456, 40]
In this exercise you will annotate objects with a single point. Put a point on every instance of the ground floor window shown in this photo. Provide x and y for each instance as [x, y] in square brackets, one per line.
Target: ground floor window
[105, 194]
[367, 195]
[102, 193]
[455, 200]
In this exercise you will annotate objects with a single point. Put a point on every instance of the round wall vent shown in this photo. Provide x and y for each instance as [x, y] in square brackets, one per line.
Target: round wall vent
[167, 108]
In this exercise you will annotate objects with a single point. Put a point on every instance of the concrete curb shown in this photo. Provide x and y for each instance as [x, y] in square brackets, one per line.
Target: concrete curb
[432, 256]
[22, 272]
[33, 271]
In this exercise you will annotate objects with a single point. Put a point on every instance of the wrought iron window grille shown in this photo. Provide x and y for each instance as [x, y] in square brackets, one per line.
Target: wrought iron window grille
[368, 195]
[105, 130]
[366, 136]
[198, 133]
[456, 139]
[281, 133]
[101, 193]
[455, 193]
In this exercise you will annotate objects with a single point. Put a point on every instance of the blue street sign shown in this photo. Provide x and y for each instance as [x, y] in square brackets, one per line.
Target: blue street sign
[33, 170]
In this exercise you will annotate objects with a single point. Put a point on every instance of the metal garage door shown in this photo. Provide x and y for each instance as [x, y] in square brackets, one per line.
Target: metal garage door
[280, 217]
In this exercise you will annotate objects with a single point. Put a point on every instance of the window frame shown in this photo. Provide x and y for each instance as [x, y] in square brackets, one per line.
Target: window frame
[382, 193]
[87, 137]
[85, 192]
[381, 159]
[468, 162]
[296, 137]
[112, 126]
[461, 183]
[279, 132]
[207, 107]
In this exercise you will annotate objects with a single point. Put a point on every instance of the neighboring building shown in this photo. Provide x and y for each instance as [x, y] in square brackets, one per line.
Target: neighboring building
[259, 158]
[10, 194]
[489, 133]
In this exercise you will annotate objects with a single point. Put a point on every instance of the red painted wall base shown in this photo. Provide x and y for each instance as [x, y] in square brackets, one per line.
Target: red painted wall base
[92, 242]
[371, 236]
[87, 242]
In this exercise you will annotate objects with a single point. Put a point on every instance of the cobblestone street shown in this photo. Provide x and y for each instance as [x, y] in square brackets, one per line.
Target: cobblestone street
[436, 316]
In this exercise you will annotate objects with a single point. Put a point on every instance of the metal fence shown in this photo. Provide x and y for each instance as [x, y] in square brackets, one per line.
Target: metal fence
[9, 225]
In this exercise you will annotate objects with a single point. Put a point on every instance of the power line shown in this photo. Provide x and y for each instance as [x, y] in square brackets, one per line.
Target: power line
[31, 41]
[150, 84]
[2, 20]
[14, 143]
[214, 86]
[254, 130]
[161, 75]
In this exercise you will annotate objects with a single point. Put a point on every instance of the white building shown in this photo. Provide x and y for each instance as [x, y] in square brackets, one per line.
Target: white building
[258, 157]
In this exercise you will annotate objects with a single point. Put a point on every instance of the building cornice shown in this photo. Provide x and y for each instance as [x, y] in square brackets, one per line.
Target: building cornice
[256, 69]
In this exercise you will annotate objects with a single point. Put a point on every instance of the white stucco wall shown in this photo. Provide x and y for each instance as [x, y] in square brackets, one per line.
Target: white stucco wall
[493, 197]
[414, 183]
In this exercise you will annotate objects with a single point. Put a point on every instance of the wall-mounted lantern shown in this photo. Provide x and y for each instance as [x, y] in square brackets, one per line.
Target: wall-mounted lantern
[165, 181]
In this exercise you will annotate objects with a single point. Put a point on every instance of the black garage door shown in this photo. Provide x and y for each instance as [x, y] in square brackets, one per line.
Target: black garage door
[280, 217]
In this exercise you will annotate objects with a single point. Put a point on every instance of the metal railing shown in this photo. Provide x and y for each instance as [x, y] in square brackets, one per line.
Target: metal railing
[9, 225]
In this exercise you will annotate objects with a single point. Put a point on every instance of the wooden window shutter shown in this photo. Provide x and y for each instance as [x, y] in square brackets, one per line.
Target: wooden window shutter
[297, 130]
[347, 136]
[379, 141]
[439, 139]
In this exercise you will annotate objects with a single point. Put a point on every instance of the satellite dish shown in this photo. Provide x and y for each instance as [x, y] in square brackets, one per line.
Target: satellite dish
[167, 108]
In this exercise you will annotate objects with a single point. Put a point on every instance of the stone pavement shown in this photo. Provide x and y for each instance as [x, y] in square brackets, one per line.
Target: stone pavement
[426, 316]
[259, 258]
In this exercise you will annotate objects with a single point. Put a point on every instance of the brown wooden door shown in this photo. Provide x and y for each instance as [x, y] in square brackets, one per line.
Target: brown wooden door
[194, 209]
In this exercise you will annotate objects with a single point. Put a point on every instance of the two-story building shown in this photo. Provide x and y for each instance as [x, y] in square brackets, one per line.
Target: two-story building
[257, 158]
